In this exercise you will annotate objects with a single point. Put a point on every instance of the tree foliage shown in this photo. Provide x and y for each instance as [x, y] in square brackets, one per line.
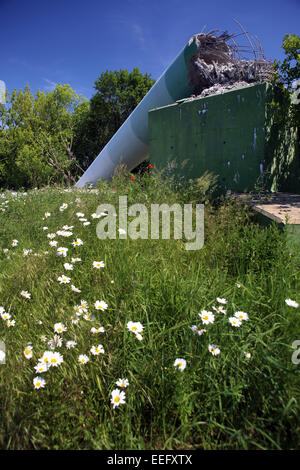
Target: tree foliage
[37, 136]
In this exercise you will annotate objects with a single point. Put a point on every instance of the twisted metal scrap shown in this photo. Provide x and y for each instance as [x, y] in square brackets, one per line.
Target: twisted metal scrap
[218, 65]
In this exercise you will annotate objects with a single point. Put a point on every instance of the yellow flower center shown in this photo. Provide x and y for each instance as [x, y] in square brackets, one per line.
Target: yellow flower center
[205, 317]
[27, 351]
[53, 361]
[116, 399]
[180, 364]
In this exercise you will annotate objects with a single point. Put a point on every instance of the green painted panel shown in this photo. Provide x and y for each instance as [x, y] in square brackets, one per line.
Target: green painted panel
[223, 134]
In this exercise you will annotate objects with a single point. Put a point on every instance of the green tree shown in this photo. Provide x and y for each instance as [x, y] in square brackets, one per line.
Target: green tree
[289, 70]
[117, 95]
[37, 135]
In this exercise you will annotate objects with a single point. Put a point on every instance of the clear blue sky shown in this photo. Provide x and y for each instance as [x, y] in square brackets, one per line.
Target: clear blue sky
[45, 42]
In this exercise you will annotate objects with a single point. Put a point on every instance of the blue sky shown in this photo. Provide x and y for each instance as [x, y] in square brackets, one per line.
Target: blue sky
[45, 42]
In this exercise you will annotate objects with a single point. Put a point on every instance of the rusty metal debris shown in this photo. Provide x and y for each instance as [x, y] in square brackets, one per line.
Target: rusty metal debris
[219, 64]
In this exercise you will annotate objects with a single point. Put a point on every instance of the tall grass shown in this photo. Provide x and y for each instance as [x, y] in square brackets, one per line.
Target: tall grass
[228, 401]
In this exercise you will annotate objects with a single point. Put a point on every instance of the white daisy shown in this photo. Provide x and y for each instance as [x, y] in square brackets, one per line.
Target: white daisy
[41, 367]
[59, 328]
[207, 317]
[70, 344]
[75, 289]
[180, 364]
[28, 352]
[123, 383]
[39, 382]
[135, 327]
[68, 266]
[97, 330]
[236, 322]
[96, 350]
[100, 305]
[221, 301]
[214, 350]
[25, 294]
[98, 264]
[77, 242]
[241, 315]
[83, 359]
[117, 397]
[291, 303]
[63, 279]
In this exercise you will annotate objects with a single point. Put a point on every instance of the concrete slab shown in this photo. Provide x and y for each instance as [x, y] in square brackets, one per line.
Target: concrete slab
[282, 207]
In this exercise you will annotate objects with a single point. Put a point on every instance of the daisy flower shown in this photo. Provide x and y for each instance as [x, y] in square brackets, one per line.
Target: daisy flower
[63, 207]
[28, 352]
[89, 317]
[123, 383]
[139, 336]
[41, 367]
[75, 289]
[54, 243]
[220, 309]
[47, 214]
[14, 243]
[70, 344]
[214, 350]
[235, 321]
[75, 260]
[68, 266]
[95, 216]
[241, 315]
[98, 264]
[96, 350]
[207, 317]
[62, 251]
[221, 301]
[117, 397]
[180, 364]
[100, 305]
[5, 316]
[291, 303]
[97, 330]
[59, 328]
[67, 227]
[84, 305]
[86, 223]
[43, 338]
[135, 327]
[55, 359]
[82, 219]
[63, 279]
[45, 228]
[83, 359]
[39, 382]
[197, 330]
[247, 354]
[74, 320]
[78, 310]
[79, 214]
[77, 242]
[45, 357]
[51, 235]
[55, 342]
[25, 294]
[10, 323]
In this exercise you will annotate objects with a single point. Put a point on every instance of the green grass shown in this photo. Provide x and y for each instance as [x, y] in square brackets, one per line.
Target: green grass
[217, 402]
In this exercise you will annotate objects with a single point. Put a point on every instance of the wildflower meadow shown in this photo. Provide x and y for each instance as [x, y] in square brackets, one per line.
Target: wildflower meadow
[142, 344]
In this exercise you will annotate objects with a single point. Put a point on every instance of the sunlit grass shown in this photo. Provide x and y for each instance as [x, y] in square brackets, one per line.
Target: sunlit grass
[245, 397]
